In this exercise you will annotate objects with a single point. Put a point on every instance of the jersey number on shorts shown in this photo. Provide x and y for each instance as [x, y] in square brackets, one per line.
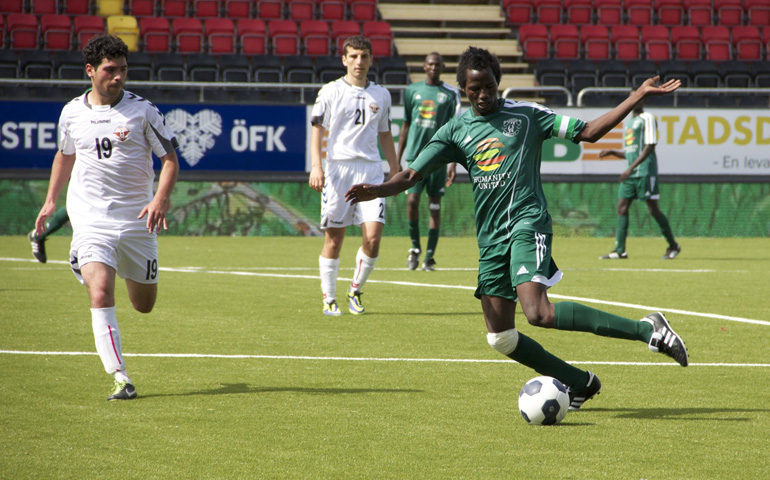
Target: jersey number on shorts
[382, 210]
[152, 269]
[103, 147]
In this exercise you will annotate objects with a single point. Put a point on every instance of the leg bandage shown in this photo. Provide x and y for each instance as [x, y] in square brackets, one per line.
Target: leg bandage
[434, 207]
[504, 342]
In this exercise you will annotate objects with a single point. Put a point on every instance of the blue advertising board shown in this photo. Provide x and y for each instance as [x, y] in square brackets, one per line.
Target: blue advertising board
[258, 138]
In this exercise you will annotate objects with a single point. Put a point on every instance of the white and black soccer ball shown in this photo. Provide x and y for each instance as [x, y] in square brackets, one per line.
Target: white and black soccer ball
[543, 401]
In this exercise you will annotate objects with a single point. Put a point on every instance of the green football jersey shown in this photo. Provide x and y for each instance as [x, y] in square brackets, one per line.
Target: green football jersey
[502, 154]
[642, 130]
[427, 108]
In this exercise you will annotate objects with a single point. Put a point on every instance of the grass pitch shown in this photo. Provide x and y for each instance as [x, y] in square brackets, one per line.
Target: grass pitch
[241, 376]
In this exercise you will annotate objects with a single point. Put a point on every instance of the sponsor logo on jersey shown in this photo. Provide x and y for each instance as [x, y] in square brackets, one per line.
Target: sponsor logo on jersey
[428, 109]
[487, 155]
[100, 121]
[195, 133]
[122, 133]
[629, 137]
[511, 127]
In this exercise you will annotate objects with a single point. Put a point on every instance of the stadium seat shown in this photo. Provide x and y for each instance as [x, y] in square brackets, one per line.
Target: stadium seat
[56, 32]
[656, 41]
[85, 27]
[551, 73]
[22, 31]
[596, 42]
[332, 10]
[169, 67]
[638, 12]
[518, 12]
[126, 28]
[640, 71]
[581, 75]
[534, 41]
[612, 73]
[299, 69]
[766, 40]
[156, 34]
[44, 7]
[235, 68]
[299, 10]
[205, 8]
[203, 68]
[547, 12]
[11, 6]
[381, 37]
[269, 9]
[625, 38]
[316, 38]
[761, 73]
[342, 30]
[394, 71]
[284, 37]
[188, 34]
[268, 69]
[173, 8]
[252, 36]
[699, 12]
[2, 32]
[729, 12]
[578, 12]
[362, 10]
[757, 12]
[235, 9]
[220, 35]
[674, 70]
[141, 67]
[565, 41]
[747, 43]
[77, 7]
[68, 65]
[735, 74]
[9, 62]
[37, 64]
[670, 12]
[686, 42]
[141, 8]
[716, 42]
[329, 69]
[705, 74]
[107, 8]
[608, 12]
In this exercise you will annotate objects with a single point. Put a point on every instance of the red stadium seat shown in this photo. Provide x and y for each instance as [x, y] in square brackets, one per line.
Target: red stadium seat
[534, 41]
[11, 6]
[77, 7]
[758, 12]
[596, 42]
[333, 10]
[625, 38]
[747, 43]
[220, 34]
[2, 31]
[657, 42]
[670, 12]
[56, 32]
[155, 33]
[252, 36]
[22, 31]
[284, 37]
[547, 12]
[342, 30]
[381, 37]
[565, 41]
[579, 12]
[44, 7]
[686, 42]
[766, 40]
[173, 8]
[699, 12]
[269, 9]
[639, 12]
[729, 12]
[85, 27]
[141, 8]
[205, 8]
[188, 35]
[362, 10]
[518, 12]
[608, 12]
[300, 10]
[237, 9]
[716, 41]
[316, 37]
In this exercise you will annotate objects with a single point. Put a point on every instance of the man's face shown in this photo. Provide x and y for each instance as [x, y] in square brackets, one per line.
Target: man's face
[109, 77]
[433, 67]
[357, 62]
[481, 90]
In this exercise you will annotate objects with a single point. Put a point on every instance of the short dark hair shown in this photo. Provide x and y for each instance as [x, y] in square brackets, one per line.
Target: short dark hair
[101, 47]
[477, 59]
[358, 42]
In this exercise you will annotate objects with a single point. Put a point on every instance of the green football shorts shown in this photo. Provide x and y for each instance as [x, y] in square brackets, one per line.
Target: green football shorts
[434, 185]
[640, 188]
[525, 258]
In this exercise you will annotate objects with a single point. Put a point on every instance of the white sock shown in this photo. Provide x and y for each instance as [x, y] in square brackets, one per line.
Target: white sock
[364, 268]
[328, 268]
[121, 376]
[107, 339]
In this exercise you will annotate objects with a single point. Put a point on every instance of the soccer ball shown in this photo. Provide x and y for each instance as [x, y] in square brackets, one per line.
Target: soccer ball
[543, 401]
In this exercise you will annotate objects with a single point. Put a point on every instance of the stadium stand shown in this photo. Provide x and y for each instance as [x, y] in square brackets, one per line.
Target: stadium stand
[340, 31]
[547, 12]
[77, 7]
[669, 12]
[44, 7]
[155, 33]
[125, 27]
[220, 36]
[188, 35]
[235, 9]
[747, 43]
[56, 32]
[235, 68]
[362, 10]
[205, 8]
[141, 8]
[729, 12]
[686, 42]
[565, 41]
[596, 42]
[332, 10]
[578, 12]
[316, 37]
[68, 65]
[252, 36]
[380, 36]
[22, 31]
[106, 8]
[299, 69]
[173, 8]
[37, 64]
[534, 41]
[299, 10]
[85, 27]
[284, 37]
[699, 12]
[608, 12]
[269, 9]
[638, 12]
[203, 68]
[757, 12]
[11, 6]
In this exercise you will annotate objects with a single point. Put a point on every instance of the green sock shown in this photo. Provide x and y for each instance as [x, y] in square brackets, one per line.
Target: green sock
[57, 220]
[665, 229]
[530, 353]
[576, 317]
[621, 232]
[432, 242]
[414, 233]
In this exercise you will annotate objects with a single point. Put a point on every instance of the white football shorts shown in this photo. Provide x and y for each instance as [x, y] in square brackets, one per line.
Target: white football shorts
[132, 253]
[339, 177]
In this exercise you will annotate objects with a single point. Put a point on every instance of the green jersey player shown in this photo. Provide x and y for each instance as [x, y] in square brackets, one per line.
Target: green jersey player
[499, 143]
[639, 181]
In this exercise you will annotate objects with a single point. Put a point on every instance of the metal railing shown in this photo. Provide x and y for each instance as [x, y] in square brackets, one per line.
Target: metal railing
[561, 90]
[686, 90]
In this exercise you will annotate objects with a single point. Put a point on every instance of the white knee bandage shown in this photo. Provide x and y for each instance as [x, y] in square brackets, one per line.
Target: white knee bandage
[504, 342]
[434, 207]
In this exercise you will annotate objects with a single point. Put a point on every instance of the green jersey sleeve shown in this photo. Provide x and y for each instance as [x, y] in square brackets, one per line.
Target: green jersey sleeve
[554, 125]
[441, 150]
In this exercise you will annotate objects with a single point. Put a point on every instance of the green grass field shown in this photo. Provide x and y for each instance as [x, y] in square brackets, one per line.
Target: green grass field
[241, 376]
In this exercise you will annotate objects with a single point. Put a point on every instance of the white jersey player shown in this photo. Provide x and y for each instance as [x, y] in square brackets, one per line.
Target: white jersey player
[106, 140]
[356, 113]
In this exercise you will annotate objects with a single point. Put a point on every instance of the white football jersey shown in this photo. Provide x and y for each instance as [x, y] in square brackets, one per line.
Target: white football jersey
[112, 177]
[353, 116]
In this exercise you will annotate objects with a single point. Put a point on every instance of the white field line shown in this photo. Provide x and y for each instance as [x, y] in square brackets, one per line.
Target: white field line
[371, 359]
[647, 308]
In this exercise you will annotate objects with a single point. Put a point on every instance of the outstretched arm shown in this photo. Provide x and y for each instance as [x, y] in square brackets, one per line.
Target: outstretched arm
[399, 182]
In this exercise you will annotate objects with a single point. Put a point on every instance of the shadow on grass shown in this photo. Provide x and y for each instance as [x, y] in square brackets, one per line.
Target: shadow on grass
[241, 388]
[710, 414]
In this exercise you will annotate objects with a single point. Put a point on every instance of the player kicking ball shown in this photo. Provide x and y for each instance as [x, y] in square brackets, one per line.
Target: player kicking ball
[499, 142]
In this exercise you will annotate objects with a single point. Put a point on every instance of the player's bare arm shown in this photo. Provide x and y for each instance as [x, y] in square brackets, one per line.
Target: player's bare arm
[597, 128]
[316, 180]
[60, 175]
[389, 150]
[396, 184]
[614, 153]
[451, 174]
[403, 137]
[156, 210]
[646, 152]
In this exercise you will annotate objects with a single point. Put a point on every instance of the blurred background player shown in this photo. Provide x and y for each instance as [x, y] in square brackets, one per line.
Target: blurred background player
[639, 181]
[115, 216]
[356, 113]
[428, 105]
[37, 239]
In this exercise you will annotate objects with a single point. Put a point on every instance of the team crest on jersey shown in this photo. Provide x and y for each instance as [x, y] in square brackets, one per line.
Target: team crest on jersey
[511, 127]
[122, 133]
[195, 133]
[488, 154]
[374, 107]
[442, 97]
